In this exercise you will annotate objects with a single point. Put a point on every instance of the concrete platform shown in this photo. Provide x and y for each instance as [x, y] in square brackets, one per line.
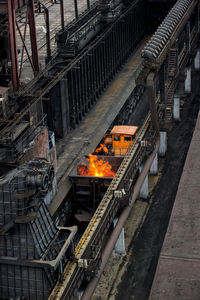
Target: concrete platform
[178, 272]
[88, 134]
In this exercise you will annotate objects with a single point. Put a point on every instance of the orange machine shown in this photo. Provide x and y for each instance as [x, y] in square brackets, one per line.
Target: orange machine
[122, 138]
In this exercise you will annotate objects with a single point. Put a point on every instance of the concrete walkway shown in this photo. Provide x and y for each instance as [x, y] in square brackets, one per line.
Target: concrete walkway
[178, 271]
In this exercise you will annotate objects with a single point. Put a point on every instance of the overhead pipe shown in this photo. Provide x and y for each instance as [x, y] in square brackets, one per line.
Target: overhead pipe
[120, 224]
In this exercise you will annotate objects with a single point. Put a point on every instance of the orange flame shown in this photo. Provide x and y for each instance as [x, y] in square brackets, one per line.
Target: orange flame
[96, 168]
[101, 148]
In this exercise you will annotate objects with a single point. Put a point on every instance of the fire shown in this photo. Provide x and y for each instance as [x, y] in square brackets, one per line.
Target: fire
[101, 148]
[97, 167]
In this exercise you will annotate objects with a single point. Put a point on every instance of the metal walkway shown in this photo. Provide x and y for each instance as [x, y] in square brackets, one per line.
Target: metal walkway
[178, 270]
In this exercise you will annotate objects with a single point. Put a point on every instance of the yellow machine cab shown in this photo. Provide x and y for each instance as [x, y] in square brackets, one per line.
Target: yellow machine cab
[122, 138]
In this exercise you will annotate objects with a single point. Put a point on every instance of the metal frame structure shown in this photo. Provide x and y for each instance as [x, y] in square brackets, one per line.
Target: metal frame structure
[13, 24]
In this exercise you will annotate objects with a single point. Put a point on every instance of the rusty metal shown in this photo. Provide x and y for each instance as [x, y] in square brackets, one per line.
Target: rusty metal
[12, 21]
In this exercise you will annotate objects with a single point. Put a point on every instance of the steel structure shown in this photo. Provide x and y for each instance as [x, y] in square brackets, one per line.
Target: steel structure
[33, 249]
[71, 83]
[8, 11]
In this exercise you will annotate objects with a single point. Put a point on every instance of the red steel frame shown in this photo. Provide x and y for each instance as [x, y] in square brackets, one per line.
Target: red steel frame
[12, 26]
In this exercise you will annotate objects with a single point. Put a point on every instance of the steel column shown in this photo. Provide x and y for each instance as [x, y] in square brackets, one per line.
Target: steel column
[13, 44]
[152, 101]
[88, 4]
[33, 36]
[62, 15]
[76, 9]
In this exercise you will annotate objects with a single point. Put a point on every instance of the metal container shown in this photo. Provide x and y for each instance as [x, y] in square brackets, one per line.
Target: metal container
[89, 190]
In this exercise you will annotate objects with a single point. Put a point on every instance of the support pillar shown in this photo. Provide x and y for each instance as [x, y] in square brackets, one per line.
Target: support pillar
[188, 45]
[13, 44]
[62, 15]
[176, 107]
[144, 191]
[154, 166]
[76, 9]
[163, 143]
[120, 244]
[33, 35]
[197, 61]
[188, 80]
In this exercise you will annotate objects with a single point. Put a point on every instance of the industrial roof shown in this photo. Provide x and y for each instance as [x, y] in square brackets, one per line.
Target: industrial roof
[124, 129]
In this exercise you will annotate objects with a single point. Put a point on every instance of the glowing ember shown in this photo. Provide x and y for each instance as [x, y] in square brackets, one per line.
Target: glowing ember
[103, 148]
[96, 168]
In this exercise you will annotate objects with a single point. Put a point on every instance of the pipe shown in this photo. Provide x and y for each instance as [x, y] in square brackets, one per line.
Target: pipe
[120, 224]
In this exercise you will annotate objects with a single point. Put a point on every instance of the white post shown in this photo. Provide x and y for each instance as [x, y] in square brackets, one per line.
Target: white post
[120, 244]
[144, 191]
[154, 166]
[163, 143]
[176, 108]
[197, 61]
[188, 80]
